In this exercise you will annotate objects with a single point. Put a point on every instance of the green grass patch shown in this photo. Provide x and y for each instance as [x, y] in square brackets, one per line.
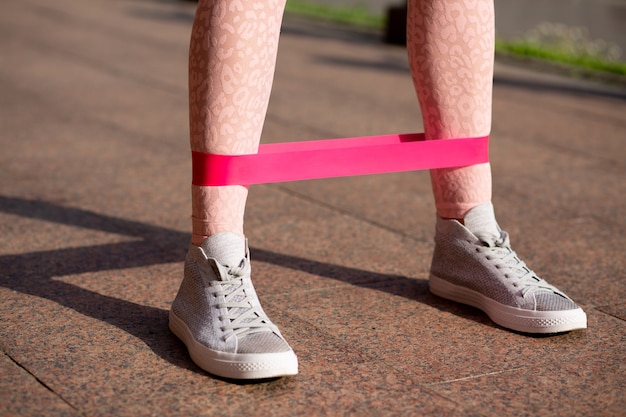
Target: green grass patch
[535, 51]
[357, 16]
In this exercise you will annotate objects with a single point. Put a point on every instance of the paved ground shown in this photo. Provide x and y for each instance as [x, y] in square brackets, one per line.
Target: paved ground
[94, 223]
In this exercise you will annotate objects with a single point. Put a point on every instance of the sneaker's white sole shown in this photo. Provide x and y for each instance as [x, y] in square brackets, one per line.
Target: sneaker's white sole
[234, 365]
[526, 321]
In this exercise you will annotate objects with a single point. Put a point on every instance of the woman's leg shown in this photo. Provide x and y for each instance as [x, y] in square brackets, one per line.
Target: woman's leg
[216, 312]
[231, 68]
[451, 53]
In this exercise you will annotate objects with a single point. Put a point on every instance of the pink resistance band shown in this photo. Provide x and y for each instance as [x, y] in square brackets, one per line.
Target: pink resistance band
[294, 161]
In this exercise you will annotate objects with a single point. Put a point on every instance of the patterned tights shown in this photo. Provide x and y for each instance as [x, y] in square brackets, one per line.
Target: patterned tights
[232, 58]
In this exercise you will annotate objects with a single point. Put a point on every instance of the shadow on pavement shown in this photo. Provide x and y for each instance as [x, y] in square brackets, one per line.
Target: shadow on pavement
[33, 273]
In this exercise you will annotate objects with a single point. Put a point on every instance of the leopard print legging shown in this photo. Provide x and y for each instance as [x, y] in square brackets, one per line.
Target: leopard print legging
[451, 50]
[232, 57]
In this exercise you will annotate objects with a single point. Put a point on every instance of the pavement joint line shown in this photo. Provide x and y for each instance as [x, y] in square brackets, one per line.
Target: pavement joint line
[141, 79]
[348, 213]
[104, 66]
[313, 130]
[467, 378]
[599, 309]
[42, 383]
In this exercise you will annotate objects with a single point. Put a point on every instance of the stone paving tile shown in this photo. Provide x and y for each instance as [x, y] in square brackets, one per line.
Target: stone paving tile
[88, 297]
[94, 226]
[437, 340]
[104, 347]
[285, 224]
[590, 387]
[19, 389]
[617, 310]
[403, 202]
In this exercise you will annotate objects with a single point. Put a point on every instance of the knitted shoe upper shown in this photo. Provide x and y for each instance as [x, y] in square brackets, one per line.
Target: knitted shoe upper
[221, 308]
[485, 262]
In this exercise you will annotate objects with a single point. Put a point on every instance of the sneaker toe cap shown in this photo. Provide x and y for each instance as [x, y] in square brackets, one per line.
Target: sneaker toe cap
[550, 301]
[263, 342]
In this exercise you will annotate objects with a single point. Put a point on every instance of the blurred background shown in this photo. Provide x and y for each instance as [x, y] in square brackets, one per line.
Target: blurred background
[588, 34]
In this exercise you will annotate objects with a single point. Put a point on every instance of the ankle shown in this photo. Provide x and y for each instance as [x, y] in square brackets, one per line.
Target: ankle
[202, 228]
[197, 240]
[462, 221]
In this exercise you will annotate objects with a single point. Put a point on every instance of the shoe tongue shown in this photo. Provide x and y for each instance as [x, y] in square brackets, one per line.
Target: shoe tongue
[482, 220]
[226, 248]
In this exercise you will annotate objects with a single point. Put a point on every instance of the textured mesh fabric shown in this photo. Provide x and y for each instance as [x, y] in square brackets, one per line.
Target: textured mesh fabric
[220, 306]
[551, 301]
[226, 248]
[482, 262]
[262, 343]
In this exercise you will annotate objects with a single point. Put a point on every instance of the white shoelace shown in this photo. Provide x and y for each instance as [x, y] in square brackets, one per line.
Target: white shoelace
[499, 251]
[244, 315]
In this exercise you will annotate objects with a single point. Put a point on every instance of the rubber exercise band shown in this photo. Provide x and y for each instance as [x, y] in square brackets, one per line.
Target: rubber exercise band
[329, 158]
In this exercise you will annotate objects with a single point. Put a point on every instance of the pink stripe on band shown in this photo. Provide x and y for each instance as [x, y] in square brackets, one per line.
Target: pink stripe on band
[295, 161]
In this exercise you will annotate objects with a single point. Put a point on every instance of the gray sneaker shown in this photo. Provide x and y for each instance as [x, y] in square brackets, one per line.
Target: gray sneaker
[218, 316]
[474, 264]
